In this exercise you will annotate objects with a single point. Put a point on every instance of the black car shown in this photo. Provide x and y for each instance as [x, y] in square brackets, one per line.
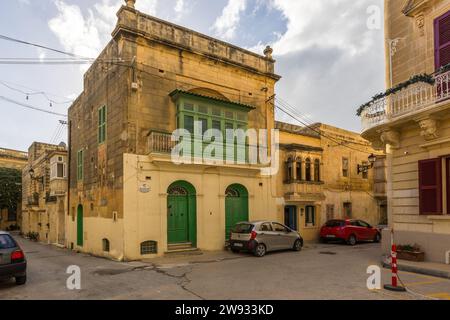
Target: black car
[12, 260]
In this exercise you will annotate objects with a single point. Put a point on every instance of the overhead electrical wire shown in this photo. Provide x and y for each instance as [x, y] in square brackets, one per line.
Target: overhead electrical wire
[3, 37]
[32, 107]
[58, 128]
[30, 93]
[292, 115]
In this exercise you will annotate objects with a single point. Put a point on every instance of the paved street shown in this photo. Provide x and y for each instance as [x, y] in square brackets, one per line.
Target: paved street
[318, 272]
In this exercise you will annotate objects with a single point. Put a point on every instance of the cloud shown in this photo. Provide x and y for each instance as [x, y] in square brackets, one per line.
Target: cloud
[225, 25]
[325, 24]
[180, 9]
[87, 34]
[330, 61]
[42, 54]
[78, 34]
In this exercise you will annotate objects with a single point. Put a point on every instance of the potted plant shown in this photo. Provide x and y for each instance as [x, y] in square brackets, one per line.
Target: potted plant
[410, 253]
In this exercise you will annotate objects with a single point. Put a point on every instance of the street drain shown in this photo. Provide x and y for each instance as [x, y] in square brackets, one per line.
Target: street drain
[328, 253]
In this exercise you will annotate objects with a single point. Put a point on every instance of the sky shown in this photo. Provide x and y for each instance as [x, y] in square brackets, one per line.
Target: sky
[330, 54]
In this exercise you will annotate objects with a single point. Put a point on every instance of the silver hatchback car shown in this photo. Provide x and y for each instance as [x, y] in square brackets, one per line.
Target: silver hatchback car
[263, 236]
[12, 259]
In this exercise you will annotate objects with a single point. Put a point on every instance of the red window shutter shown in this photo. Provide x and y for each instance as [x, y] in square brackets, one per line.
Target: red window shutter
[430, 187]
[442, 40]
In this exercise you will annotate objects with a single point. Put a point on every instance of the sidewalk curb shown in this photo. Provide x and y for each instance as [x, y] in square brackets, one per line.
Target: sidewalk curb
[428, 272]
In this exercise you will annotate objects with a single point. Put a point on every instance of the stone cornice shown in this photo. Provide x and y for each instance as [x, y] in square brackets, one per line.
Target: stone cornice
[413, 8]
[139, 24]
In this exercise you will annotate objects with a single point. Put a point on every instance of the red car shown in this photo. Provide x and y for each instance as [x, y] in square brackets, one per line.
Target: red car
[350, 231]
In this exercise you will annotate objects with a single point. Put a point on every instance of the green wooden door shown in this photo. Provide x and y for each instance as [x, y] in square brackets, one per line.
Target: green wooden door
[178, 219]
[80, 226]
[236, 207]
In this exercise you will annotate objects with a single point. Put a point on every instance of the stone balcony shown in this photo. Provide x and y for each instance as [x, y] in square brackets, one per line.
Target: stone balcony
[304, 191]
[409, 103]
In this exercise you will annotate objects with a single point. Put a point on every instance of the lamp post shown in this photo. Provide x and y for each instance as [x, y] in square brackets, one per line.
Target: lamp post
[32, 176]
[362, 168]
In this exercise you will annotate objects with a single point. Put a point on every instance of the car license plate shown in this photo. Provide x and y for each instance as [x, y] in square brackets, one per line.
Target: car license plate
[331, 236]
[240, 245]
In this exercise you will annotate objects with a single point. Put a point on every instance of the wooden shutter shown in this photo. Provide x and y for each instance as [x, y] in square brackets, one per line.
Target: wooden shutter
[430, 186]
[442, 40]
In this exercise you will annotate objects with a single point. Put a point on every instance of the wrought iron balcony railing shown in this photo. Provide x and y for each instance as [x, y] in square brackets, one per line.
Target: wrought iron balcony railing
[412, 99]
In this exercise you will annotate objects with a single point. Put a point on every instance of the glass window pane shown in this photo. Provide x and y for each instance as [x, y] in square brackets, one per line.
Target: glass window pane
[241, 116]
[189, 123]
[216, 112]
[189, 106]
[229, 115]
[60, 170]
[204, 123]
[216, 125]
[203, 109]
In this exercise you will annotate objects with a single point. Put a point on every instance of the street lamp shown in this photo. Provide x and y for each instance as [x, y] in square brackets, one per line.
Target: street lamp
[362, 168]
[32, 176]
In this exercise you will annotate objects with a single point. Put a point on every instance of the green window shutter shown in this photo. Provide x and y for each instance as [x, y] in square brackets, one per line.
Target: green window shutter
[102, 124]
[213, 116]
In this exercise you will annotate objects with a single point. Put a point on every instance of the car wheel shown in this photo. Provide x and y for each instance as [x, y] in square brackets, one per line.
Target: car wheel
[323, 240]
[260, 250]
[352, 240]
[234, 250]
[21, 280]
[377, 238]
[297, 245]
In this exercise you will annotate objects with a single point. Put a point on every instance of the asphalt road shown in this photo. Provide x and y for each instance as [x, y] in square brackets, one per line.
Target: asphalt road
[331, 271]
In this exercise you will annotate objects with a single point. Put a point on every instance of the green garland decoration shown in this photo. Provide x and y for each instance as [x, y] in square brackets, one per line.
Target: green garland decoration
[426, 78]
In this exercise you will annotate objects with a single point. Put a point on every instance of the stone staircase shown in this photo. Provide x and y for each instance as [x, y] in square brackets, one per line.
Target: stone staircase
[181, 248]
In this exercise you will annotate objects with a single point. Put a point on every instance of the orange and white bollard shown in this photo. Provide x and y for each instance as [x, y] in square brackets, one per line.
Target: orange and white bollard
[394, 284]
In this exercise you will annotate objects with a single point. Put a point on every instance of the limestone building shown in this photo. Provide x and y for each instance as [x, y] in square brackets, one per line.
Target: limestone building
[44, 193]
[412, 121]
[127, 198]
[320, 180]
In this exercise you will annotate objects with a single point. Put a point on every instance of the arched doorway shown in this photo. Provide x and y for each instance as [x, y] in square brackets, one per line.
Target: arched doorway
[80, 226]
[236, 207]
[182, 213]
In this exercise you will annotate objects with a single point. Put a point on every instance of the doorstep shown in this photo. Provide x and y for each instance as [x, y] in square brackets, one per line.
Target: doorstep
[440, 270]
[180, 260]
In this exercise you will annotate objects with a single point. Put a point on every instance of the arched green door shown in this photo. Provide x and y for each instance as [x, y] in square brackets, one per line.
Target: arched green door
[236, 207]
[80, 226]
[181, 213]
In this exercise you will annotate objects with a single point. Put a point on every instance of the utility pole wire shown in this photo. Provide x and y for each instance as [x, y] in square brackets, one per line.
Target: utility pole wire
[3, 37]
[44, 94]
[31, 107]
